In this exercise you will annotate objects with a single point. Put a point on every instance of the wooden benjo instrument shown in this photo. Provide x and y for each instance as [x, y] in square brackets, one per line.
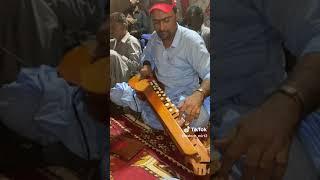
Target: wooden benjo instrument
[197, 155]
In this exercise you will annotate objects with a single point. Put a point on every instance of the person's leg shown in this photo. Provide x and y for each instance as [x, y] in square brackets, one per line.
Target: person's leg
[299, 165]
[123, 95]
[18, 104]
[118, 69]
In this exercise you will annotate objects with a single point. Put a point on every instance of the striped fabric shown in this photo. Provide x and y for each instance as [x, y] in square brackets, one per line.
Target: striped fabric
[309, 133]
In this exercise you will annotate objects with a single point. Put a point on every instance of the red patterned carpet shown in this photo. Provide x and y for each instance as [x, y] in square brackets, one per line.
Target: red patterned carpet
[139, 152]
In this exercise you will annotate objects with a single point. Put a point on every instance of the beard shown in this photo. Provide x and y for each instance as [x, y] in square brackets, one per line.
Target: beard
[164, 35]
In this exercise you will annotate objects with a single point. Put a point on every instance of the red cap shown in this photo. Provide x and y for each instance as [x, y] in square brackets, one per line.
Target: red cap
[163, 7]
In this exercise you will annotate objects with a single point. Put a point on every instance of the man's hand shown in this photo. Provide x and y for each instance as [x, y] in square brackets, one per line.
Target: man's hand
[191, 106]
[146, 71]
[264, 137]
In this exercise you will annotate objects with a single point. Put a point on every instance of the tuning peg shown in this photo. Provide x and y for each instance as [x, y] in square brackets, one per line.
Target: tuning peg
[175, 115]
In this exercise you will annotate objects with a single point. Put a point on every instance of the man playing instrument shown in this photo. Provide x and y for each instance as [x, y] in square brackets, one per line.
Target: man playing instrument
[179, 59]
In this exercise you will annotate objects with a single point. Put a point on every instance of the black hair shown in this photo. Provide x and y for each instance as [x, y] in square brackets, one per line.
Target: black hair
[119, 18]
[195, 11]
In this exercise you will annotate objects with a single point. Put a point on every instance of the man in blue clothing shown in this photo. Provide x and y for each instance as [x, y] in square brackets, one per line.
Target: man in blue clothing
[178, 57]
[258, 107]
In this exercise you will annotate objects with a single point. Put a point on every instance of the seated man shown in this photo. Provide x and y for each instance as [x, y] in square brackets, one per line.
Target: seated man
[194, 20]
[125, 49]
[178, 57]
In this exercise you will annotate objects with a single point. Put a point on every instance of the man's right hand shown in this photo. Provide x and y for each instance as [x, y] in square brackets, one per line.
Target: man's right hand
[264, 136]
[146, 71]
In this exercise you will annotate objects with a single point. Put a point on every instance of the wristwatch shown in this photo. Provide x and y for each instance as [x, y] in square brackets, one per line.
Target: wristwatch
[293, 93]
[201, 91]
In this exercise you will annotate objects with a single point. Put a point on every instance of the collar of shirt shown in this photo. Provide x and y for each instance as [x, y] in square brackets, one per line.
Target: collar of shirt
[176, 38]
[123, 40]
[202, 28]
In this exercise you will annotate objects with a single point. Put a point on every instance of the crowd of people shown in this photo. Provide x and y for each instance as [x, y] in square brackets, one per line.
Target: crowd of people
[131, 29]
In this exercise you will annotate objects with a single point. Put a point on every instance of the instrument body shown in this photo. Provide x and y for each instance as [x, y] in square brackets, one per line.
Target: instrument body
[197, 155]
[77, 68]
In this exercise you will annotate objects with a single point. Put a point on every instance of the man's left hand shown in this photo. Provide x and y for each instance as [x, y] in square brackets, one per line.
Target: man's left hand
[191, 106]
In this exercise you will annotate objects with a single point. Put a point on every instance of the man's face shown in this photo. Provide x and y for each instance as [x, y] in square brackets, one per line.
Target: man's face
[194, 22]
[165, 24]
[117, 30]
